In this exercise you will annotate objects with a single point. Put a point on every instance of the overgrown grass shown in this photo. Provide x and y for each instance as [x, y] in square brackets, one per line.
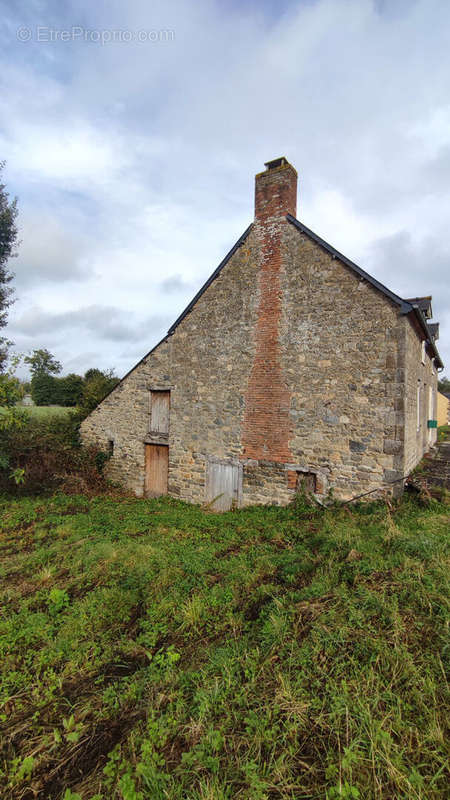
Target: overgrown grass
[152, 650]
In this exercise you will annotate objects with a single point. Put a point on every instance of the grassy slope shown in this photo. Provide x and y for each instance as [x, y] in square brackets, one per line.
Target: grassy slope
[263, 653]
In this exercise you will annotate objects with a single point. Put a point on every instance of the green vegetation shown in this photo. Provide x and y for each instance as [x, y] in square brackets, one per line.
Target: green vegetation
[46, 412]
[8, 245]
[444, 384]
[42, 453]
[443, 433]
[152, 650]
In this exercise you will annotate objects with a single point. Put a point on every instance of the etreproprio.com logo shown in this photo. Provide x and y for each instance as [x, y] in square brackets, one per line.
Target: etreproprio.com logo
[45, 35]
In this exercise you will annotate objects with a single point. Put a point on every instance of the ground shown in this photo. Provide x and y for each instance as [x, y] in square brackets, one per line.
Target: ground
[153, 650]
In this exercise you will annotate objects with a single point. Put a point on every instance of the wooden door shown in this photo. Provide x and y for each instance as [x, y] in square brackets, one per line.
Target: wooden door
[156, 469]
[223, 485]
[159, 419]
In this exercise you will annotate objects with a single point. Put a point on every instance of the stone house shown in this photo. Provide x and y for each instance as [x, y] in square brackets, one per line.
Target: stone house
[291, 368]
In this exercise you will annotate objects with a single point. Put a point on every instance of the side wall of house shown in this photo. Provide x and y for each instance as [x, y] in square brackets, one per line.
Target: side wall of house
[420, 399]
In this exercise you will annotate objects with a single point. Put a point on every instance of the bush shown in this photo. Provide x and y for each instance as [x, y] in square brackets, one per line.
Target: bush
[51, 455]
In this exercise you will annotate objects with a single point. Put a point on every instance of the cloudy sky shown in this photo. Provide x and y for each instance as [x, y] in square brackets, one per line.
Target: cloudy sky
[133, 129]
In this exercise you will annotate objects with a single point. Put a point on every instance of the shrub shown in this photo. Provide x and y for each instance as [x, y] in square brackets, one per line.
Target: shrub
[51, 455]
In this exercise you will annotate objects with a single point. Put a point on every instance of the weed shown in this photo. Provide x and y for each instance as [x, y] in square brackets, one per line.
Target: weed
[151, 650]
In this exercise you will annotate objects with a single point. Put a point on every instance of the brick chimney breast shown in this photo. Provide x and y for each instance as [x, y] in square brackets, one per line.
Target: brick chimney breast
[266, 428]
[276, 191]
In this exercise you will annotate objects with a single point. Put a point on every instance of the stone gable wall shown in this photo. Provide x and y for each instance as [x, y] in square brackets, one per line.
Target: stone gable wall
[342, 357]
[205, 363]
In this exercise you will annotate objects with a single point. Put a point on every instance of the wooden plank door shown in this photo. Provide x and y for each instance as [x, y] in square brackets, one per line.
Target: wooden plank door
[159, 420]
[223, 485]
[156, 469]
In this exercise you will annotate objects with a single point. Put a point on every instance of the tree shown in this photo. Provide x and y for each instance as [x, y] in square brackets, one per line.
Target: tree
[444, 385]
[43, 367]
[69, 390]
[8, 242]
[96, 386]
[42, 362]
[43, 389]
[11, 418]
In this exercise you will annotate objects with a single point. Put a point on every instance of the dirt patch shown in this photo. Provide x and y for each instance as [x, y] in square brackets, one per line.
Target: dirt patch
[253, 609]
[88, 757]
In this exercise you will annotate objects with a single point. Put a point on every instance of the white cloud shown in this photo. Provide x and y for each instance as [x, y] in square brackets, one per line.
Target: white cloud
[137, 161]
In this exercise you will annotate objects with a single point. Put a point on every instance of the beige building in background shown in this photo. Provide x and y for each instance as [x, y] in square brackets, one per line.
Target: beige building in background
[443, 409]
[292, 368]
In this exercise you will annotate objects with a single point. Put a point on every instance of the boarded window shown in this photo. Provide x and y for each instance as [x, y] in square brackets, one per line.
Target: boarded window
[159, 411]
[223, 485]
[156, 469]
[306, 482]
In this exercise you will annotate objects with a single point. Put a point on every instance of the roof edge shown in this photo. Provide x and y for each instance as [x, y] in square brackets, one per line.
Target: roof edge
[405, 307]
[428, 338]
[182, 315]
[211, 278]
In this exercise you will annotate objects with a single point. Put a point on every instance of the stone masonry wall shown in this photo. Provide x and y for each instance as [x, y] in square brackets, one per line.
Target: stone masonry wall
[205, 364]
[342, 354]
[418, 438]
[289, 365]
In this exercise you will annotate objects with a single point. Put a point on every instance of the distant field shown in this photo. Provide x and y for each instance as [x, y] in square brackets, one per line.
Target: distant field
[43, 412]
[152, 651]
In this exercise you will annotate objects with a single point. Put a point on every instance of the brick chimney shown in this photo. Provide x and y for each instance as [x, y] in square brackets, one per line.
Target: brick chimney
[266, 429]
[276, 190]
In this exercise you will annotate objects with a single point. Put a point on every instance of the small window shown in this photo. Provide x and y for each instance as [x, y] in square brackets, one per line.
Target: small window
[423, 351]
[110, 447]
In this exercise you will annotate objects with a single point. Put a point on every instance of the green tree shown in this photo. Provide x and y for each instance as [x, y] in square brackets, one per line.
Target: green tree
[8, 242]
[444, 385]
[11, 418]
[69, 390]
[42, 362]
[44, 390]
[97, 384]
[43, 367]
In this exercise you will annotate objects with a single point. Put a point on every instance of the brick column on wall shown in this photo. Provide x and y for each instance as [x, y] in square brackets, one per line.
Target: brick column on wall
[266, 425]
